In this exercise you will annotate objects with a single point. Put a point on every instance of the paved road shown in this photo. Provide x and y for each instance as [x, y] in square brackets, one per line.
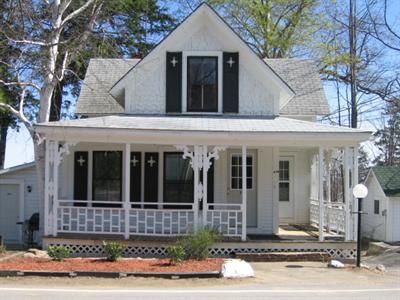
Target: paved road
[209, 294]
[273, 281]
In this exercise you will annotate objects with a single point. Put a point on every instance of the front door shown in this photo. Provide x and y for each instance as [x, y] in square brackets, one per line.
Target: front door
[234, 185]
[286, 201]
[9, 213]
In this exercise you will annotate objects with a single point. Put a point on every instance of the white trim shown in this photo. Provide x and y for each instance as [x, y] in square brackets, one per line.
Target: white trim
[21, 208]
[17, 168]
[218, 55]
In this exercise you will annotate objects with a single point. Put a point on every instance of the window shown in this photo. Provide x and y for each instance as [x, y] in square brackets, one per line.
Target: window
[202, 84]
[107, 175]
[178, 179]
[236, 172]
[376, 207]
[284, 184]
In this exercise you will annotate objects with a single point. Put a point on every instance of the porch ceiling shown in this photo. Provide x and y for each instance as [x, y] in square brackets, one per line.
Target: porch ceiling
[202, 129]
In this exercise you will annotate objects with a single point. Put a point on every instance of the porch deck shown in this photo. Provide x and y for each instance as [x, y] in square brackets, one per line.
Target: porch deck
[291, 238]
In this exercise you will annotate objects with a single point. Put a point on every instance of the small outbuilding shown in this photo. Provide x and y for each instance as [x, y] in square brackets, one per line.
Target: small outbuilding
[382, 205]
[18, 202]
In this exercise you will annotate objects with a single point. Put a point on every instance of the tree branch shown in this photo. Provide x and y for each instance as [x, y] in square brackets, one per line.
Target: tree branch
[77, 11]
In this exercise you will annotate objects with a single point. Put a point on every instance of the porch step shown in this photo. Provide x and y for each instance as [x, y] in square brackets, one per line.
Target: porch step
[283, 256]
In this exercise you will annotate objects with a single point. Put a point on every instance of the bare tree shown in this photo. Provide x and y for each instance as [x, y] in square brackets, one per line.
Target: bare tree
[34, 29]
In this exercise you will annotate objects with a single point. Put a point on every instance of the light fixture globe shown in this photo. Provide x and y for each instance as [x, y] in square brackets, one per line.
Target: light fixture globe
[360, 191]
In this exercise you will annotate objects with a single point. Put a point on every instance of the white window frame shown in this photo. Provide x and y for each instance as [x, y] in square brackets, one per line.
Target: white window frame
[252, 168]
[185, 55]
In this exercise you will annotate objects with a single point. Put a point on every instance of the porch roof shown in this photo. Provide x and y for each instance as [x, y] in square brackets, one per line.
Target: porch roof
[279, 128]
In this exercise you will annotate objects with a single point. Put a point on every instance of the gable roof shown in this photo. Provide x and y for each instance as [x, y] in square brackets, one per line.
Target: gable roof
[101, 74]
[203, 11]
[389, 179]
[303, 77]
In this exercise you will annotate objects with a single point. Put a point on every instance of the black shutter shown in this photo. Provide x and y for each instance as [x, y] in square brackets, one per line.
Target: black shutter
[151, 178]
[230, 82]
[210, 183]
[174, 82]
[136, 176]
[80, 176]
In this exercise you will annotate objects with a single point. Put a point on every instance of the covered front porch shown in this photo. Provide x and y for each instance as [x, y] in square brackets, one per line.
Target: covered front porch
[282, 180]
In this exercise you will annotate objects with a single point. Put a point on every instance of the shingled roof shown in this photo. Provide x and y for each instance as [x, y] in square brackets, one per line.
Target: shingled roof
[300, 74]
[389, 179]
[101, 74]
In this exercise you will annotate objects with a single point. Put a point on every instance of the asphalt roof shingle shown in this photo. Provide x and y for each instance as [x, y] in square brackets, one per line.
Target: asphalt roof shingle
[389, 179]
[101, 74]
[300, 74]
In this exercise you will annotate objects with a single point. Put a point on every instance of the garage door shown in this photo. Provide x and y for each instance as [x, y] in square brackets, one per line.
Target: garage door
[395, 219]
[9, 208]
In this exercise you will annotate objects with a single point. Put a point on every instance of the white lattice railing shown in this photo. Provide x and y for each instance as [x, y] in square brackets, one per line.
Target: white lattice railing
[161, 220]
[79, 219]
[227, 218]
[334, 216]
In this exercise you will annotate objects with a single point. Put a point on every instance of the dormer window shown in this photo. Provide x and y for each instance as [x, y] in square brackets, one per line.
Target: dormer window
[202, 84]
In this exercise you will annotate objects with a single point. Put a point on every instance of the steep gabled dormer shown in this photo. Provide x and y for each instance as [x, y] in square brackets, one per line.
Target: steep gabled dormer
[202, 67]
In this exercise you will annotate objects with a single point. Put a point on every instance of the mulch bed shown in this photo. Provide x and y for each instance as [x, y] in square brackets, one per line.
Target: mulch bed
[125, 265]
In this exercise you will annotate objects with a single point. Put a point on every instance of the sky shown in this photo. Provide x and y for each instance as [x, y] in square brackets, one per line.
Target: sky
[19, 148]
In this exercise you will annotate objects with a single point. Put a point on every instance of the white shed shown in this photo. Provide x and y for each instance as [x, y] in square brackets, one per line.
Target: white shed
[382, 205]
[18, 201]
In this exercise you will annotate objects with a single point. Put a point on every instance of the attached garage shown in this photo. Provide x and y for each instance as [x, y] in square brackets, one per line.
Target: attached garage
[18, 202]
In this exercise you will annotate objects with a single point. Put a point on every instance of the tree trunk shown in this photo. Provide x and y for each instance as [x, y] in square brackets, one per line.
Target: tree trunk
[56, 103]
[3, 140]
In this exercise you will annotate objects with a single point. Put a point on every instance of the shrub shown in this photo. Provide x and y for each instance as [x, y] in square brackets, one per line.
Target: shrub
[113, 250]
[176, 254]
[58, 253]
[2, 249]
[196, 245]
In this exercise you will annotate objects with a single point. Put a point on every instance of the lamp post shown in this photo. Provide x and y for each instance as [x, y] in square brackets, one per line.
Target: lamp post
[360, 191]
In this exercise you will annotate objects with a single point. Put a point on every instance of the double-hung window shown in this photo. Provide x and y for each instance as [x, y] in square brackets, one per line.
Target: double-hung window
[202, 84]
[107, 176]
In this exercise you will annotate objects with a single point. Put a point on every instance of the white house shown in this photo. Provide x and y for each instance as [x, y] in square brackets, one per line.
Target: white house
[158, 148]
[18, 201]
[382, 205]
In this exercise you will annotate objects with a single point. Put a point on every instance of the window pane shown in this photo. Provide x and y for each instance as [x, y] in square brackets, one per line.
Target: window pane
[234, 183]
[376, 207]
[249, 183]
[178, 179]
[284, 191]
[202, 84]
[107, 174]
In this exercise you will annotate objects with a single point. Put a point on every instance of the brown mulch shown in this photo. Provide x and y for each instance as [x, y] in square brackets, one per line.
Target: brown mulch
[125, 265]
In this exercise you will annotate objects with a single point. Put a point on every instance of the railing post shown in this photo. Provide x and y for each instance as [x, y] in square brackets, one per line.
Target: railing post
[321, 192]
[127, 181]
[244, 192]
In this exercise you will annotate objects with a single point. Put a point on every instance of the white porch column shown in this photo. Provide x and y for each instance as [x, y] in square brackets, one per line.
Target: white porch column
[275, 193]
[127, 189]
[56, 162]
[206, 165]
[197, 162]
[244, 192]
[353, 183]
[321, 192]
[346, 192]
[46, 189]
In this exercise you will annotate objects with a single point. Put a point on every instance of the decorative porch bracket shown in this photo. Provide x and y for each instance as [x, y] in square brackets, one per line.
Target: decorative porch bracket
[55, 153]
[200, 159]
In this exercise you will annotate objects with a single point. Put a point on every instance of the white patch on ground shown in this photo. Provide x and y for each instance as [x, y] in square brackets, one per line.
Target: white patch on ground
[335, 264]
[237, 268]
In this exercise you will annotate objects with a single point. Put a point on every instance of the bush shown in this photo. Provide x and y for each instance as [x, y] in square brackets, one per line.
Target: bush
[176, 254]
[2, 249]
[196, 245]
[58, 253]
[113, 250]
